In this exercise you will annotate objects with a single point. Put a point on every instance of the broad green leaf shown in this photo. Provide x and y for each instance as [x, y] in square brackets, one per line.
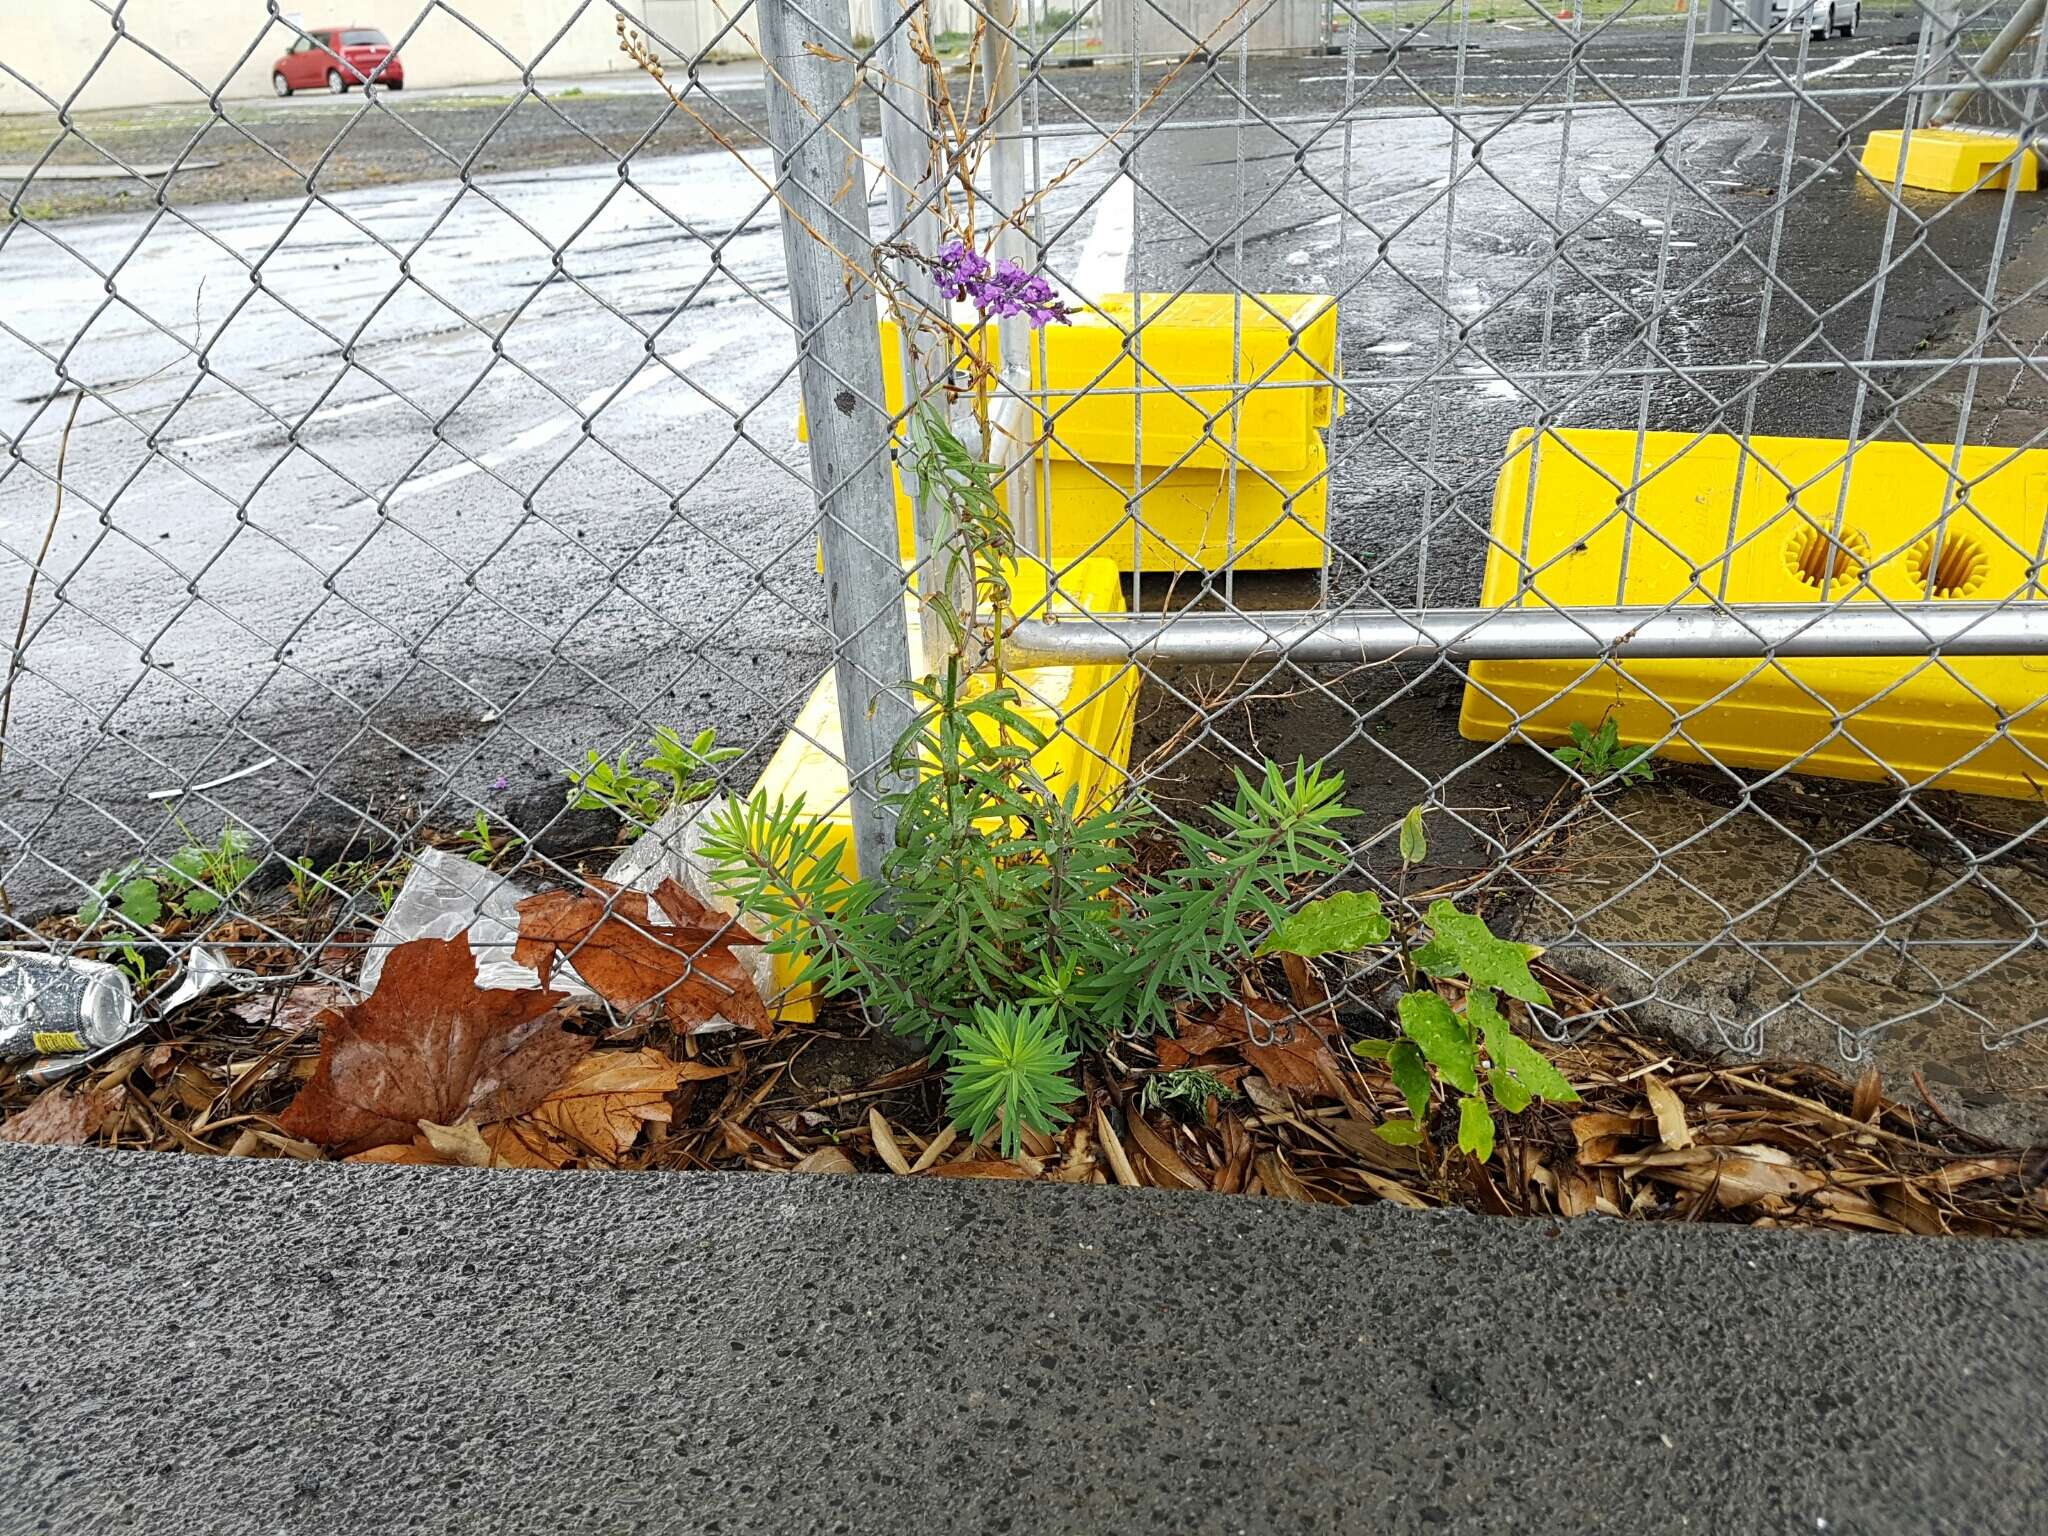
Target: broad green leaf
[1374, 1050]
[1514, 1058]
[1347, 921]
[1428, 1021]
[199, 901]
[1508, 1093]
[1475, 1127]
[1400, 1133]
[141, 903]
[1414, 846]
[1530, 1066]
[189, 864]
[1411, 1076]
[1464, 944]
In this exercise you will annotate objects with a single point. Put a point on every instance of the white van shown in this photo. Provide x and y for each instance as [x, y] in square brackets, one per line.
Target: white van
[1821, 16]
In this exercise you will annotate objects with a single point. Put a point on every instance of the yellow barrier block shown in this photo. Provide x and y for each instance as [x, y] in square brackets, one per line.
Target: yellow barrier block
[1285, 347]
[1950, 159]
[1184, 518]
[1933, 723]
[1085, 711]
[1282, 488]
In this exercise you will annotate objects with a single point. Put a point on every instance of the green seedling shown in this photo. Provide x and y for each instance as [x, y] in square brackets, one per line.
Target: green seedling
[1598, 755]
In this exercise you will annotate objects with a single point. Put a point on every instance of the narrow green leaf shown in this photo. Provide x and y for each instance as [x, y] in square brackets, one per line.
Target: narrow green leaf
[1427, 1020]
[1414, 845]
[1411, 1076]
[1373, 1050]
[1475, 1127]
[1400, 1133]
[1347, 921]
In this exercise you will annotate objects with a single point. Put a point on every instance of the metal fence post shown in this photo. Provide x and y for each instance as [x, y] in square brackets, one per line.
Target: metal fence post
[910, 154]
[1012, 427]
[822, 183]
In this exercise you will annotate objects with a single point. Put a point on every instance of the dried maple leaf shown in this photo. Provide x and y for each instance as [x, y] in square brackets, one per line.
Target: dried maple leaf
[631, 958]
[609, 1096]
[1299, 1061]
[60, 1119]
[430, 1044]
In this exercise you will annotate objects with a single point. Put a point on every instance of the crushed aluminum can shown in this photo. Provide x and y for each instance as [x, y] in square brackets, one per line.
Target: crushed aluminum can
[57, 1005]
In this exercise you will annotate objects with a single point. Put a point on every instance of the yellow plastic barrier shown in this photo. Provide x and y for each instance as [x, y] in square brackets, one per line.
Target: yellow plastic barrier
[1085, 711]
[1934, 723]
[1287, 356]
[1184, 517]
[1285, 347]
[1950, 159]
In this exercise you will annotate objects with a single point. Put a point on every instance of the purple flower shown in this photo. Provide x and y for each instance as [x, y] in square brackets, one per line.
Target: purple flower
[500, 784]
[1003, 290]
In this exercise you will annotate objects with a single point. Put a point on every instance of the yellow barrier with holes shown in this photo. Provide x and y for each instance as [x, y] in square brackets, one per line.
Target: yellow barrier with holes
[1975, 724]
[1086, 712]
[1950, 160]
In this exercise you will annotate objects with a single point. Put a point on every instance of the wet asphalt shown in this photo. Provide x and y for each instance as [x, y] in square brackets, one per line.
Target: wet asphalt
[225, 1345]
[470, 478]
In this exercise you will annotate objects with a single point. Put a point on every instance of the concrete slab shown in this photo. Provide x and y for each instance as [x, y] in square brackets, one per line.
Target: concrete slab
[212, 1345]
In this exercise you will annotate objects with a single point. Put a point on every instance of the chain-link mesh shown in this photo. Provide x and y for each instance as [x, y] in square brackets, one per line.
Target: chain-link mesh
[353, 513]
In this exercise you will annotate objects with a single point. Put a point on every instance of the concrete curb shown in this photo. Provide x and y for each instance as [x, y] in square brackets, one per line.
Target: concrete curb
[212, 1345]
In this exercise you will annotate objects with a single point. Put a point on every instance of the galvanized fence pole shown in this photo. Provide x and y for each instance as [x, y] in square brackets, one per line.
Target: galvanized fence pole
[1987, 64]
[822, 184]
[1012, 425]
[910, 155]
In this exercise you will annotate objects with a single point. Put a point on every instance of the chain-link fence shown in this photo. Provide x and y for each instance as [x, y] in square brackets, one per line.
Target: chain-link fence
[1464, 398]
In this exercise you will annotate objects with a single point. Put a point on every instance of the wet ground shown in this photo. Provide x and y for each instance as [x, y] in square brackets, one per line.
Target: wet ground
[488, 457]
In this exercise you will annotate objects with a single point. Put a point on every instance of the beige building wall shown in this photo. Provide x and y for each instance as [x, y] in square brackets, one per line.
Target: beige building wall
[55, 45]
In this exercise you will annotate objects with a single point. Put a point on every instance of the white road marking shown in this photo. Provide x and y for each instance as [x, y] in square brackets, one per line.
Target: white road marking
[325, 413]
[526, 442]
[1105, 264]
[1812, 74]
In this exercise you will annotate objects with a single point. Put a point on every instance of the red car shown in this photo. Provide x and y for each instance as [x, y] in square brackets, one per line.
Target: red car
[338, 57]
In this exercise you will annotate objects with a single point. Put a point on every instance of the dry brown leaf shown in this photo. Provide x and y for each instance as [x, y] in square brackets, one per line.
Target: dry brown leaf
[1737, 1176]
[1161, 1154]
[607, 1098]
[1300, 1060]
[1576, 1194]
[1303, 984]
[61, 1119]
[1358, 1138]
[461, 1144]
[1970, 1170]
[825, 1160]
[1600, 1135]
[295, 1010]
[1279, 1179]
[1664, 1104]
[1869, 1097]
[411, 1153]
[937, 1148]
[987, 1168]
[429, 1044]
[631, 958]
[522, 1144]
[1113, 1149]
[885, 1143]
